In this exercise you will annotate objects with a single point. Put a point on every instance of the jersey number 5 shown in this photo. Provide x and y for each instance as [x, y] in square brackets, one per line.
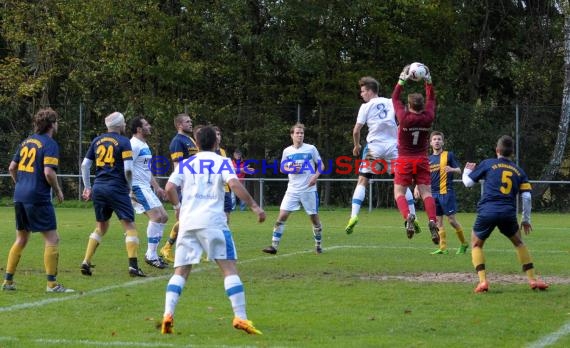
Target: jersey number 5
[507, 182]
[105, 156]
[27, 159]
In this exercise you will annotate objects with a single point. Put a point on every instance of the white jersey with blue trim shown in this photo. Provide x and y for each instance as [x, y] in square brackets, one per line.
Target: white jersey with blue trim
[202, 178]
[379, 115]
[141, 162]
[307, 158]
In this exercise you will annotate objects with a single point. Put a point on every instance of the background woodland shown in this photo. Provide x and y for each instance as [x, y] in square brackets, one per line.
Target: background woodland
[255, 67]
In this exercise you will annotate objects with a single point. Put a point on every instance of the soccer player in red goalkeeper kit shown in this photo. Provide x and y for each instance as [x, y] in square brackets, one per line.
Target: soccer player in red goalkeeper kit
[412, 164]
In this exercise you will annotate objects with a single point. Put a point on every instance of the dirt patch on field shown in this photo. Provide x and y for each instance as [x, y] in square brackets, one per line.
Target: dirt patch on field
[434, 277]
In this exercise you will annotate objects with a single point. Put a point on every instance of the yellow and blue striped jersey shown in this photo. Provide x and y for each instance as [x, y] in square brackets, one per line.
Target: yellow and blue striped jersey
[441, 181]
[182, 147]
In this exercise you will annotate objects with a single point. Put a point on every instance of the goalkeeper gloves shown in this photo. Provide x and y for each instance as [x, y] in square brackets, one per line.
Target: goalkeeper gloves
[404, 75]
[427, 78]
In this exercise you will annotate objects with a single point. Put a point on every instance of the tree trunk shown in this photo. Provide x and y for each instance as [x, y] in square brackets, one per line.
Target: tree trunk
[553, 166]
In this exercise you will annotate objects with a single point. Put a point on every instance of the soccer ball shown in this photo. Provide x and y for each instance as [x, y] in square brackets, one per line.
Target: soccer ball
[417, 71]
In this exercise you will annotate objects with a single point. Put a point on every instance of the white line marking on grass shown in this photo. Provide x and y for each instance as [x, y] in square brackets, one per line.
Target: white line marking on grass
[543, 342]
[75, 343]
[140, 281]
[431, 249]
[92, 343]
[551, 338]
[77, 295]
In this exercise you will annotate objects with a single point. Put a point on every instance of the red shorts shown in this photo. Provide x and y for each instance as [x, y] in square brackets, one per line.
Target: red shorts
[410, 170]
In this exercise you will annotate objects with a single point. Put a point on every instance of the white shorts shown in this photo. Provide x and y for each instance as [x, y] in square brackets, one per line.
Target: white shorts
[146, 199]
[379, 157]
[218, 245]
[293, 201]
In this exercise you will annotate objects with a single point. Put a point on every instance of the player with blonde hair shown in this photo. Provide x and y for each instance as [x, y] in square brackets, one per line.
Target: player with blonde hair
[303, 165]
[381, 144]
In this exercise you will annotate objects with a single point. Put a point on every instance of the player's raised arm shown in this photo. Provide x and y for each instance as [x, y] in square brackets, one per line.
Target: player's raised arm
[398, 105]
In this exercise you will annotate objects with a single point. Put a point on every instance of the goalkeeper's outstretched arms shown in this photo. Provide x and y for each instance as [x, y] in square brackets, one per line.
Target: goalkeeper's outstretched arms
[430, 93]
[427, 78]
[404, 75]
[399, 107]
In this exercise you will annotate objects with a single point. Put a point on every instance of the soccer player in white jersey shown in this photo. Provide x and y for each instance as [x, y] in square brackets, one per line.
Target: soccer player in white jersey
[203, 226]
[144, 199]
[304, 165]
[381, 144]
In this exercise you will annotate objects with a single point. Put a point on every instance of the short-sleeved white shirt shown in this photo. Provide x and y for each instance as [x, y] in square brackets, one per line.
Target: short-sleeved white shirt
[202, 178]
[379, 115]
[307, 156]
[141, 158]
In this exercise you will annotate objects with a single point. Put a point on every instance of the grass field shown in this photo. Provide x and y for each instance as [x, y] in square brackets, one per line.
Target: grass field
[374, 288]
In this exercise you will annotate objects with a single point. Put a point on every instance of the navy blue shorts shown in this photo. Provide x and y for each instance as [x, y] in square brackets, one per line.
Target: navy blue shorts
[228, 202]
[484, 225]
[445, 204]
[35, 217]
[106, 200]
